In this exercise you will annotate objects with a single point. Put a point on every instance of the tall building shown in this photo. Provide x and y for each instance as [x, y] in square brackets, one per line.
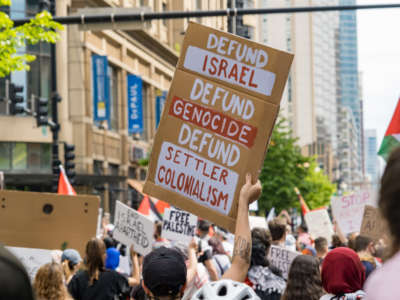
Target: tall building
[371, 157]
[112, 83]
[310, 100]
[244, 26]
[349, 82]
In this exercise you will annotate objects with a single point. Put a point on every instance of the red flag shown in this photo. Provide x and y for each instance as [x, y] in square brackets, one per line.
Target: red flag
[64, 186]
[303, 204]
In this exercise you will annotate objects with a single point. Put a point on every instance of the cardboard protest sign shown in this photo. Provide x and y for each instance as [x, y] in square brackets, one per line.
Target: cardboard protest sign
[178, 225]
[255, 221]
[217, 120]
[47, 221]
[133, 228]
[348, 210]
[373, 225]
[32, 259]
[282, 258]
[319, 224]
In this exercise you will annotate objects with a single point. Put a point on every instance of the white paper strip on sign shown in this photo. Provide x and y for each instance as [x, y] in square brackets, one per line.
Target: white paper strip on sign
[178, 225]
[133, 228]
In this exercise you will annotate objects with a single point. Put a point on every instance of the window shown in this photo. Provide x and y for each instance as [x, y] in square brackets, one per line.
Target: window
[35, 157]
[113, 80]
[131, 172]
[98, 167]
[37, 81]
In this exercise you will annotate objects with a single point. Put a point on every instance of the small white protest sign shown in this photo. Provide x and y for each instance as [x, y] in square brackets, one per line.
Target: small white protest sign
[319, 224]
[258, 222]
[133, 228]
[178, 225]
[348, 210]
[31, 258]
[99, 230]
[282, 259]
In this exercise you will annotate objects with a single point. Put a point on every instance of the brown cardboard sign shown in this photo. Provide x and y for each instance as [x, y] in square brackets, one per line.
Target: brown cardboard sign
[216, 123]
[47, 221]
[373, 225]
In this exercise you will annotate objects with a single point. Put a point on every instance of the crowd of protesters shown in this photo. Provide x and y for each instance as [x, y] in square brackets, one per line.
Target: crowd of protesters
[212, 267]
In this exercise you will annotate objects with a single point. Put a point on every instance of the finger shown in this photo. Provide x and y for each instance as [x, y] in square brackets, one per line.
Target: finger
[248, 178]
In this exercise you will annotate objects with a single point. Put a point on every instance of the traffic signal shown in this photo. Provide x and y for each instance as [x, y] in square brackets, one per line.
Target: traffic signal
[42, 111]
[16, 98]
[69, 164]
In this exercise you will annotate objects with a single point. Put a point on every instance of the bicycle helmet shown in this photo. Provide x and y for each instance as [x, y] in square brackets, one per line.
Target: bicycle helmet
[225, 290]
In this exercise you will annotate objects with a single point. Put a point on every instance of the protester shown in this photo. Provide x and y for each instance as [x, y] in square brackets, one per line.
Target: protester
[112, 258]
[343, 275]
[277, 227]
[49, 283]
[267, 282]
[384, 282]
[164, 270]
[303, 238]
[158, 240]
[337, 242]
[70, 260]
[290, 242]
[222, 235]
[364, 246]
[351, 240]
[304, 279]
[14, 280]
[205, 251]
[95, 282]
[220, 258]
[321, 246]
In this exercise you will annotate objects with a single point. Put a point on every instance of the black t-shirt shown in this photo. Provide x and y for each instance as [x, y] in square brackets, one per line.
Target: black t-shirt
[207, 255]
[109, 286]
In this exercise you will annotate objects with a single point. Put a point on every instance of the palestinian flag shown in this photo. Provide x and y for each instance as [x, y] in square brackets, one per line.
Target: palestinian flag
[392, 135]
[154, 209]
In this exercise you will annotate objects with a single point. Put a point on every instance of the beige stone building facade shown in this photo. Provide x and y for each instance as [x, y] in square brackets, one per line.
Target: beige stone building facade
[107, 155]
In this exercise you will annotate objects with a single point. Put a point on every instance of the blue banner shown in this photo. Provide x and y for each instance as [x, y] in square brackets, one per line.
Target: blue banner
[160, 101]
[101, 89]
[135, 105]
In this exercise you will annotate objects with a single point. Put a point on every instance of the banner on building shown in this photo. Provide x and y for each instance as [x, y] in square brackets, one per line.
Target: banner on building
[319, 224]
[133, 228]
[178, 225]
[282, 259]
[160, 101]
[218, 117]
[31, 258]
[135, 104]
[101, 88]
[348, 210]
[47, 221]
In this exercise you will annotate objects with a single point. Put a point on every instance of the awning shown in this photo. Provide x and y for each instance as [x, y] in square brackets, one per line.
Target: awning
[136, 184]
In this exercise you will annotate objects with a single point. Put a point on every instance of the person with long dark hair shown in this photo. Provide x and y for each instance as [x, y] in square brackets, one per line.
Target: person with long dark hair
[266, 281]
[304, 279]
[95, 282]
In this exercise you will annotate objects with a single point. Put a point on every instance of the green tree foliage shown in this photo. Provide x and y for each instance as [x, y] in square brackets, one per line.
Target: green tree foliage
[40, 29]
[286, 168]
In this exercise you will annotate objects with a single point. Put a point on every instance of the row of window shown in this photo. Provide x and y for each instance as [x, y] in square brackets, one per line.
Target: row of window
[25, 156]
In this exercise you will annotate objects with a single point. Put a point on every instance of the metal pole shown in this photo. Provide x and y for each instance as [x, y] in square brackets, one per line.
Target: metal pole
[148, 16]
[54, 109]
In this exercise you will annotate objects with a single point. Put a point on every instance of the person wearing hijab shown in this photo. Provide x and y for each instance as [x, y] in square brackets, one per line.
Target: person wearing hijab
[343, 275]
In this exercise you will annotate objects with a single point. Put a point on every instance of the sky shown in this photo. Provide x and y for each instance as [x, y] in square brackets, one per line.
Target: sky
[379, 62]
